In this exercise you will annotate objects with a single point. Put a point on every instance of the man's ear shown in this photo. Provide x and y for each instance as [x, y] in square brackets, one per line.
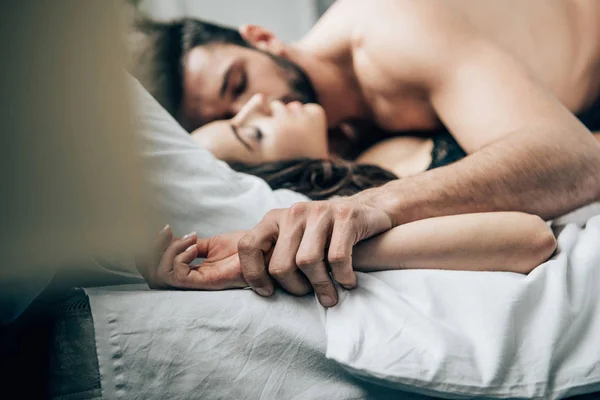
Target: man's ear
[262, 38]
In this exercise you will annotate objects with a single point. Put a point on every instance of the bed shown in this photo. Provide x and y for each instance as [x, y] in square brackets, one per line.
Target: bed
[129, 342]
[125, 341]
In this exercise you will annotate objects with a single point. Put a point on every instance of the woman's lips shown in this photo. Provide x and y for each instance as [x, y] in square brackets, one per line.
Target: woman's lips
[294, 106]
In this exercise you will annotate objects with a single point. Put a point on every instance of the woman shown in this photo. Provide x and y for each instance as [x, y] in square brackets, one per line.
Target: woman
[290, 147]
[272, 141]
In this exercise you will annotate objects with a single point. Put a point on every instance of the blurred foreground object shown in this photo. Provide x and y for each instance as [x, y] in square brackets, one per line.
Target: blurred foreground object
[72, 188]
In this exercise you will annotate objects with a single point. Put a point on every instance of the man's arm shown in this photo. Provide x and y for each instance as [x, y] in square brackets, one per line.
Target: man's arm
[505, 241]
[529, 153]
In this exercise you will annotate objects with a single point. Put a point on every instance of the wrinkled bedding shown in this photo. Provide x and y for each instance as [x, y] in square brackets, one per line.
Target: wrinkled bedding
[217, 345]
[479, 334]
[449, 334]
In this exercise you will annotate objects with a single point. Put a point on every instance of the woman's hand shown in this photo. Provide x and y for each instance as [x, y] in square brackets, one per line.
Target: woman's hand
[168, 265]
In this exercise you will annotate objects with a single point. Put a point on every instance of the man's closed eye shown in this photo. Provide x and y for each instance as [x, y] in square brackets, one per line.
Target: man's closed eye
[241, 85]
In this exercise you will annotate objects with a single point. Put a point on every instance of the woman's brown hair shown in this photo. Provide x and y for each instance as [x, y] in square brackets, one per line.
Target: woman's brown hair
[318, 179]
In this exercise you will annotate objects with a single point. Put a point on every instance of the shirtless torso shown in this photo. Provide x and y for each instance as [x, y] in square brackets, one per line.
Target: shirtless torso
[505, 77]
[556, 42]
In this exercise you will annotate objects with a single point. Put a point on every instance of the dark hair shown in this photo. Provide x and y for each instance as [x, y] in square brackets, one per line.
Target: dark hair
[319, 179]
[158, 61]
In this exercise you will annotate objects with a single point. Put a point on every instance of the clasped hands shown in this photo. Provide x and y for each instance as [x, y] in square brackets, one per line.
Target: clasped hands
[303, 248]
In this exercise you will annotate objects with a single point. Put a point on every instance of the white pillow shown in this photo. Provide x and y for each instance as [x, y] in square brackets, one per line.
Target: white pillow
[495, 334]
[191, 190]
[195, 191]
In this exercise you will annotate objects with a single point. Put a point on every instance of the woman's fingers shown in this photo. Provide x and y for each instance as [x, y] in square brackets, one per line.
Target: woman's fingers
[181, 265]
[160, 244]
[176, 247]
[163, 240]
[227, 275]
[187, 256]
[148, 263]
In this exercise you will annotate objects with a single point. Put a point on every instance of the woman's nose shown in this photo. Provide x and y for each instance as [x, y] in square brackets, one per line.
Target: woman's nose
[256, 104]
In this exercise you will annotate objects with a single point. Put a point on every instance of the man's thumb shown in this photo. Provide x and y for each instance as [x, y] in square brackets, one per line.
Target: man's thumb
[203, 246]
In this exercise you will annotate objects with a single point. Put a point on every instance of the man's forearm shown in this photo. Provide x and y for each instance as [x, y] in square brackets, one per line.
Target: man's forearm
[543, 174]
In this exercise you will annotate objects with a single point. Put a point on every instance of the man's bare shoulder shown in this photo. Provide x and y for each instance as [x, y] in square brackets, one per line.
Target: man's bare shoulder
[409, 37]
[354, 23]
[399, 14]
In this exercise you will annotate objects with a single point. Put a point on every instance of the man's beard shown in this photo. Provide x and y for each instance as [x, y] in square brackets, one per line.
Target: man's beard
[301, 88]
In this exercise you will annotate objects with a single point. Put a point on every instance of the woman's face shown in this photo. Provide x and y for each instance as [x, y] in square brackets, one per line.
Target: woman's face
[264, 132]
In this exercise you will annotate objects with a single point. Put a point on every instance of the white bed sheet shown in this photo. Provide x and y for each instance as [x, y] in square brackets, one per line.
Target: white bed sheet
[479, 334]
[217, 345]
[450, 334]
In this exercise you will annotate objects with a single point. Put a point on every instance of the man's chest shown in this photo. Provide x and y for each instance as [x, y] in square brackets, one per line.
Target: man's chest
[393, 106]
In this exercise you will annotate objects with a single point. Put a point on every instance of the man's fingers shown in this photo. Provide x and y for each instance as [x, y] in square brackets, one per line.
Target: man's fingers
[202, 246]
[316, 273]
[292, 281]
[282, 265]
[310, 257]
[252, 248]
[339, 256]
[253, 264]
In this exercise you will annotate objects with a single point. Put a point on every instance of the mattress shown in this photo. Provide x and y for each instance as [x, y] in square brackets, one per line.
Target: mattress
[126, 341]
[55, 357]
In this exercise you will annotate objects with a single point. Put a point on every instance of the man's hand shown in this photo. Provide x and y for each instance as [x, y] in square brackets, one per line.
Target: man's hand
[298, 246]
[168, 265]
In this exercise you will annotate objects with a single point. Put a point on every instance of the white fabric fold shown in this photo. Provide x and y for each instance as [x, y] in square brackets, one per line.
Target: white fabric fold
[217, 345]
[491, 334]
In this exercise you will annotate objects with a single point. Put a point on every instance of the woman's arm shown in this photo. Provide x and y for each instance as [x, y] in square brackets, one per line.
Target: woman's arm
[498, 241]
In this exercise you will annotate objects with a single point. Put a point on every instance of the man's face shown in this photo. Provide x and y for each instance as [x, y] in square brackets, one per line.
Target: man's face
[219, 79]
